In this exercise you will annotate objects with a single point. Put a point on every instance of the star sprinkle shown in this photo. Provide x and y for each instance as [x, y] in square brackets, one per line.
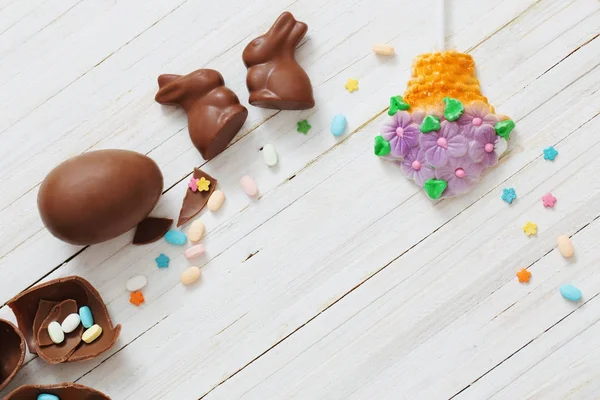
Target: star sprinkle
[397, 103]
[303, 126]
[524, 275]
[136, 298]
[530, 228]
[203, 184]
[193, 184]
[351, 85]
[549, 200]
[550, 153]
[162, 261]
[509, 195]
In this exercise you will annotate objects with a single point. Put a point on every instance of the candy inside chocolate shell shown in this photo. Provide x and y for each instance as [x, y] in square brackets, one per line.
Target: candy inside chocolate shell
[64, 391]
[12, 352]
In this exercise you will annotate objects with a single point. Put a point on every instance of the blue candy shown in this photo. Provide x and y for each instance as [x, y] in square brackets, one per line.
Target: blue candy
[46, 396]
[570, 292]
[175, 237]
[87, 320]
[338, 125]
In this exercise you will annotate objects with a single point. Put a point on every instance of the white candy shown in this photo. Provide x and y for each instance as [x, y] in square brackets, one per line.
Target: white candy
[70, 323]
[56, 333]
[270, 155]
[136, 283]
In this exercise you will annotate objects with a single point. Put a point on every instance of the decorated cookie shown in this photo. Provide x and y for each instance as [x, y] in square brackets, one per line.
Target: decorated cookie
[443, 133]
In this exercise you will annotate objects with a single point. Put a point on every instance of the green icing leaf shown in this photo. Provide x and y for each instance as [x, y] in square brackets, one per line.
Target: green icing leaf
[430, 123]
[453, 110]
[397, 103]
[504, 128]
[382, 146]
[435, 187]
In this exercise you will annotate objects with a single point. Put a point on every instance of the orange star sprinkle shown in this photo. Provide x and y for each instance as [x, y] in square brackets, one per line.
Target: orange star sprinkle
[136, 298]
[524, 275]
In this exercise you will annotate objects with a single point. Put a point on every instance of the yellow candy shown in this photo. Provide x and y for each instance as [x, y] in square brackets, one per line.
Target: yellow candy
[92, 333]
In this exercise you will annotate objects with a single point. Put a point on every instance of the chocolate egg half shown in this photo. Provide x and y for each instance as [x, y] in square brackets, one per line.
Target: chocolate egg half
[64, 391]
[12, 352]
[99, 195]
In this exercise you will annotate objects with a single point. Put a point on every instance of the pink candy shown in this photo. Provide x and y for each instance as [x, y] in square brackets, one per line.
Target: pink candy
[194, 251]
[249, 186]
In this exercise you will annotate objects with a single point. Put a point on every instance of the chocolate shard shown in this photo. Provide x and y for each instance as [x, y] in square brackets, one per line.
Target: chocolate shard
[57, 353]
[275, 79]
[44, 308]
[25, 307]
[151, 229]
[194, 202]
[12, 352]
[64, 391]
[214, 112]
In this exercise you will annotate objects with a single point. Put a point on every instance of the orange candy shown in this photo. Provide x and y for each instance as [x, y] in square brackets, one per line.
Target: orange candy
[523, 275]
[136, 298]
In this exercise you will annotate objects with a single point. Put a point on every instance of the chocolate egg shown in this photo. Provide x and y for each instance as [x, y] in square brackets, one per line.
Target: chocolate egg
[63, 391]
[12, 352]
[99, 195]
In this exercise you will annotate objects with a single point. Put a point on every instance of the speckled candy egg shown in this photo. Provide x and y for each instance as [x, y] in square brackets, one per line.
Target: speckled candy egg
[99, 195]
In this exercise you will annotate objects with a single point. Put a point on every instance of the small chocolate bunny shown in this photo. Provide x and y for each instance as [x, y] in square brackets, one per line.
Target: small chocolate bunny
[214, 112]
[275, 79]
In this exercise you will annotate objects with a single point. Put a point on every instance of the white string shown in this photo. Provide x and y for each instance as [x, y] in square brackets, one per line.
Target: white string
[441, 26]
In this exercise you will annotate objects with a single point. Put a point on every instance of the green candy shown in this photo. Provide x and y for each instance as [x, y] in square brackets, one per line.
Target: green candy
[430, 123]
[453, 110]
[435, 187]
[504, 128]
[382, 146]
[397, 103]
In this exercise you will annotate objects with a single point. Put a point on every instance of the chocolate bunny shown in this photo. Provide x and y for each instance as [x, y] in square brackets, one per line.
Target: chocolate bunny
[214, 112]
[275, 79]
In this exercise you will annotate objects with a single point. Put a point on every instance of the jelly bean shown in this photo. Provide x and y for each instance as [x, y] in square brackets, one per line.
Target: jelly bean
[565, 246]
[136, 283]
[383, 49]
[270, 155]
[216, 200]
[570, 292]
[194, 251]
[70, 323]
[196, 231]
[85, 314]
[55, 332]
[190, 275]
[338, 125]
[91, 334]
[175, 237]
[249, 186]
[47, 396]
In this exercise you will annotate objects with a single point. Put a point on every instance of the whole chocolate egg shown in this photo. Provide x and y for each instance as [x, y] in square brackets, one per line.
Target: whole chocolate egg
[99, 195]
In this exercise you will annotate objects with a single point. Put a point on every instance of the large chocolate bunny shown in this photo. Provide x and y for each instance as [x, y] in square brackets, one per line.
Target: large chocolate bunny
[214, 112]
[275, 79]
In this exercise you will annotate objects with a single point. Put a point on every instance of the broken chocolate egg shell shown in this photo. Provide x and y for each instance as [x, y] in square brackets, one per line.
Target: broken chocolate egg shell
[12, 352]
[64, 391]
[151, 229]
[99, 195]
[46, 296]
[57, 353]
[194, 202]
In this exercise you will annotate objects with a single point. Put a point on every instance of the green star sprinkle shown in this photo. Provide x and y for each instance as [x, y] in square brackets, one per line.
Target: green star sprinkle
[453, 110]
[435, 187]
[397, 103]
[430, 123]
[303, 126]
[504, 128]
[382, 146]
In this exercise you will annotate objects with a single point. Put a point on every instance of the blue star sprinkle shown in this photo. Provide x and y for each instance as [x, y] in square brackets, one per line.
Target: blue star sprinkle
[550, 153]
[162, 261]
[508, 195]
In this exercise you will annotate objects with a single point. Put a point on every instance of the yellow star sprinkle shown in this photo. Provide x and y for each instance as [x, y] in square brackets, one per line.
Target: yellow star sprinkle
[203, 184]
[530, 228]
[351, 85]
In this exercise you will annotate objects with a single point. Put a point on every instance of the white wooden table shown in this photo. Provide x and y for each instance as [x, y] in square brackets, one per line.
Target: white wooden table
[343, 281]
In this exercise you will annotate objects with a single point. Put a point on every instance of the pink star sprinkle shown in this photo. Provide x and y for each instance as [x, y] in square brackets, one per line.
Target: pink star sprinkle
[193, 184]
[549, 200]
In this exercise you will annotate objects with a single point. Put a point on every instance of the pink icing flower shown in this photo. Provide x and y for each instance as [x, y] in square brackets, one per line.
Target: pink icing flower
[415, 167]
[401, 132]
[446, 143]
[481, 148]
[461, 174]
[193, 184]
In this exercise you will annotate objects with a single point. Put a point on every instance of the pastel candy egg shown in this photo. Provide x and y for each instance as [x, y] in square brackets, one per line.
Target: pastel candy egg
[249, 186]
[190, 275]
[570, 292]
[383, 49]
[55, 332]
[270, 155]
[196, 231]
[85, 314]
[70, 323]
[136, 283]
[565, 246]
[175, 237]
[194, 251]
[216, 200]
[47, 396]
[338, 125]
[91, 334]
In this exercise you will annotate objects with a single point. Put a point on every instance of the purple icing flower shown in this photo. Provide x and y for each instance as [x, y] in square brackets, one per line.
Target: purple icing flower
[481, 148]
[460, 173]
[401, 132]
[441, 145]
[475, 117]
[415, 166]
